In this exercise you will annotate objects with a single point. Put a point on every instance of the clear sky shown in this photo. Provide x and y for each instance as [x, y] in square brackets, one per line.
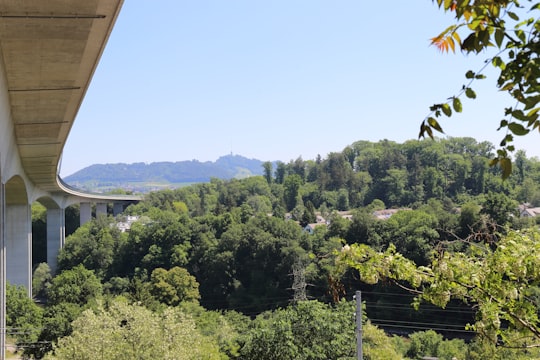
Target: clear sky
[273, 80]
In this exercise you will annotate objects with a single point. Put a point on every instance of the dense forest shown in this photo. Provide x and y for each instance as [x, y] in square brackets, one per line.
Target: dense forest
[246, 268]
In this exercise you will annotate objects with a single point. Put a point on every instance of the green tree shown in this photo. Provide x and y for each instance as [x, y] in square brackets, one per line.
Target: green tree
[298, 167]
[411, 231]
[23, 316]
[76, 286]
[527, 191]
[311, 330]
[393, 187]
[280, 172]
[41, 280]
[338, 170]
[128, 331]
[173, 286]
[267, 166]
[163, 242]
[260, 204]
[250, 265]
[39, 233]
[291, 185]
[308, 217]
[57, 320]
[469, 219]
[94, 245]
[499, 207]
[342, 200]
[429, 343]
[223, 327]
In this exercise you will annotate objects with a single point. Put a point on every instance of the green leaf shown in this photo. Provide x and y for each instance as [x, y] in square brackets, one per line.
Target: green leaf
[423, 130]
[508, 138]
[518, 129]
[497, 61]
[434, 124]
[470, 93]
[484, 37]
[456, 104]
[513, 15]
[518, 114]
[469, 43]
[533, 112]
[499, 36]
[521, 35]
[531, 102]
[508, 86]
[506, 167]
[446, 109]
[429, 131]
[470, 74]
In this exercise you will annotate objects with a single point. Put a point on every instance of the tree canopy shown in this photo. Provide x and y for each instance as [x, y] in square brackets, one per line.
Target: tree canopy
[236, 255]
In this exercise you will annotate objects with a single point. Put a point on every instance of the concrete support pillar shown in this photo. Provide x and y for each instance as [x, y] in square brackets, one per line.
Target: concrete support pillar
[85, 213]
[2, 269]
[19, 245]
[56, 235]
[101, 209]
[118, 208]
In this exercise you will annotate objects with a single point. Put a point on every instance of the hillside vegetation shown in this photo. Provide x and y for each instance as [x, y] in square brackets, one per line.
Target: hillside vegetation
[242, 262]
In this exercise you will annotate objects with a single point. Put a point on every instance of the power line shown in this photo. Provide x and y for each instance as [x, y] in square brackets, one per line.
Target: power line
[425, 328]
[397, 322]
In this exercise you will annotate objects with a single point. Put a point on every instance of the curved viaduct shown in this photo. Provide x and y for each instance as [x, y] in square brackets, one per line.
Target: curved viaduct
[49, 50]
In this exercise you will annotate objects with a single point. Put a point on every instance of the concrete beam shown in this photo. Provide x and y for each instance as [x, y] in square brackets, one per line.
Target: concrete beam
[101, 209]
[56, 236]
[118, 208]
[2, 268]
[85, 212]
[19, 245]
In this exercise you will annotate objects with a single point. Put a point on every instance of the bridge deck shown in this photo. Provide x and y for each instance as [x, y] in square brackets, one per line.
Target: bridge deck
[50, 50]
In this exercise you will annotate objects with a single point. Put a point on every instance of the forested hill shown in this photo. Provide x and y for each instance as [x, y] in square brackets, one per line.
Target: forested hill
[146, 177]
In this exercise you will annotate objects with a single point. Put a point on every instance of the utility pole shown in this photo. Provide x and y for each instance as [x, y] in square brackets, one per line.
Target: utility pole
[299, 282]
[358, 298]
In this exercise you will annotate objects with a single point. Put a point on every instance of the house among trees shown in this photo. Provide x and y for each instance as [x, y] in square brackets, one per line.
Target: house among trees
[346, 215]
[126, 225]
[525, 210]
[384, 214]
[320, 220]
[310, 228]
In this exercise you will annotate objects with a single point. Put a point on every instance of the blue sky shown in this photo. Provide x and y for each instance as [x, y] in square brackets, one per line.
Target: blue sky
[273, 80]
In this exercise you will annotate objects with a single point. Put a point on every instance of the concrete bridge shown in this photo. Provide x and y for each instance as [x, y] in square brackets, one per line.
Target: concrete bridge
[49, 51]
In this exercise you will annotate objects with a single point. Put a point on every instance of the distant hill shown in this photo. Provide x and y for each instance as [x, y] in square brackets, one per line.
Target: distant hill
[141, 177]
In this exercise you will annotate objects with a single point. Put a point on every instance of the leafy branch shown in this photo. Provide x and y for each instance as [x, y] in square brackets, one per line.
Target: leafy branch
[519, 67]
[496, 280]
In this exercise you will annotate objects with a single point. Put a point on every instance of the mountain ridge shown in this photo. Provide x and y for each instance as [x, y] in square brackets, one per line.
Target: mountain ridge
[144, 177]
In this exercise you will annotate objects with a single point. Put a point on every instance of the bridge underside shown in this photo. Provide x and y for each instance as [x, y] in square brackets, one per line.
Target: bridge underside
[50, 50]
